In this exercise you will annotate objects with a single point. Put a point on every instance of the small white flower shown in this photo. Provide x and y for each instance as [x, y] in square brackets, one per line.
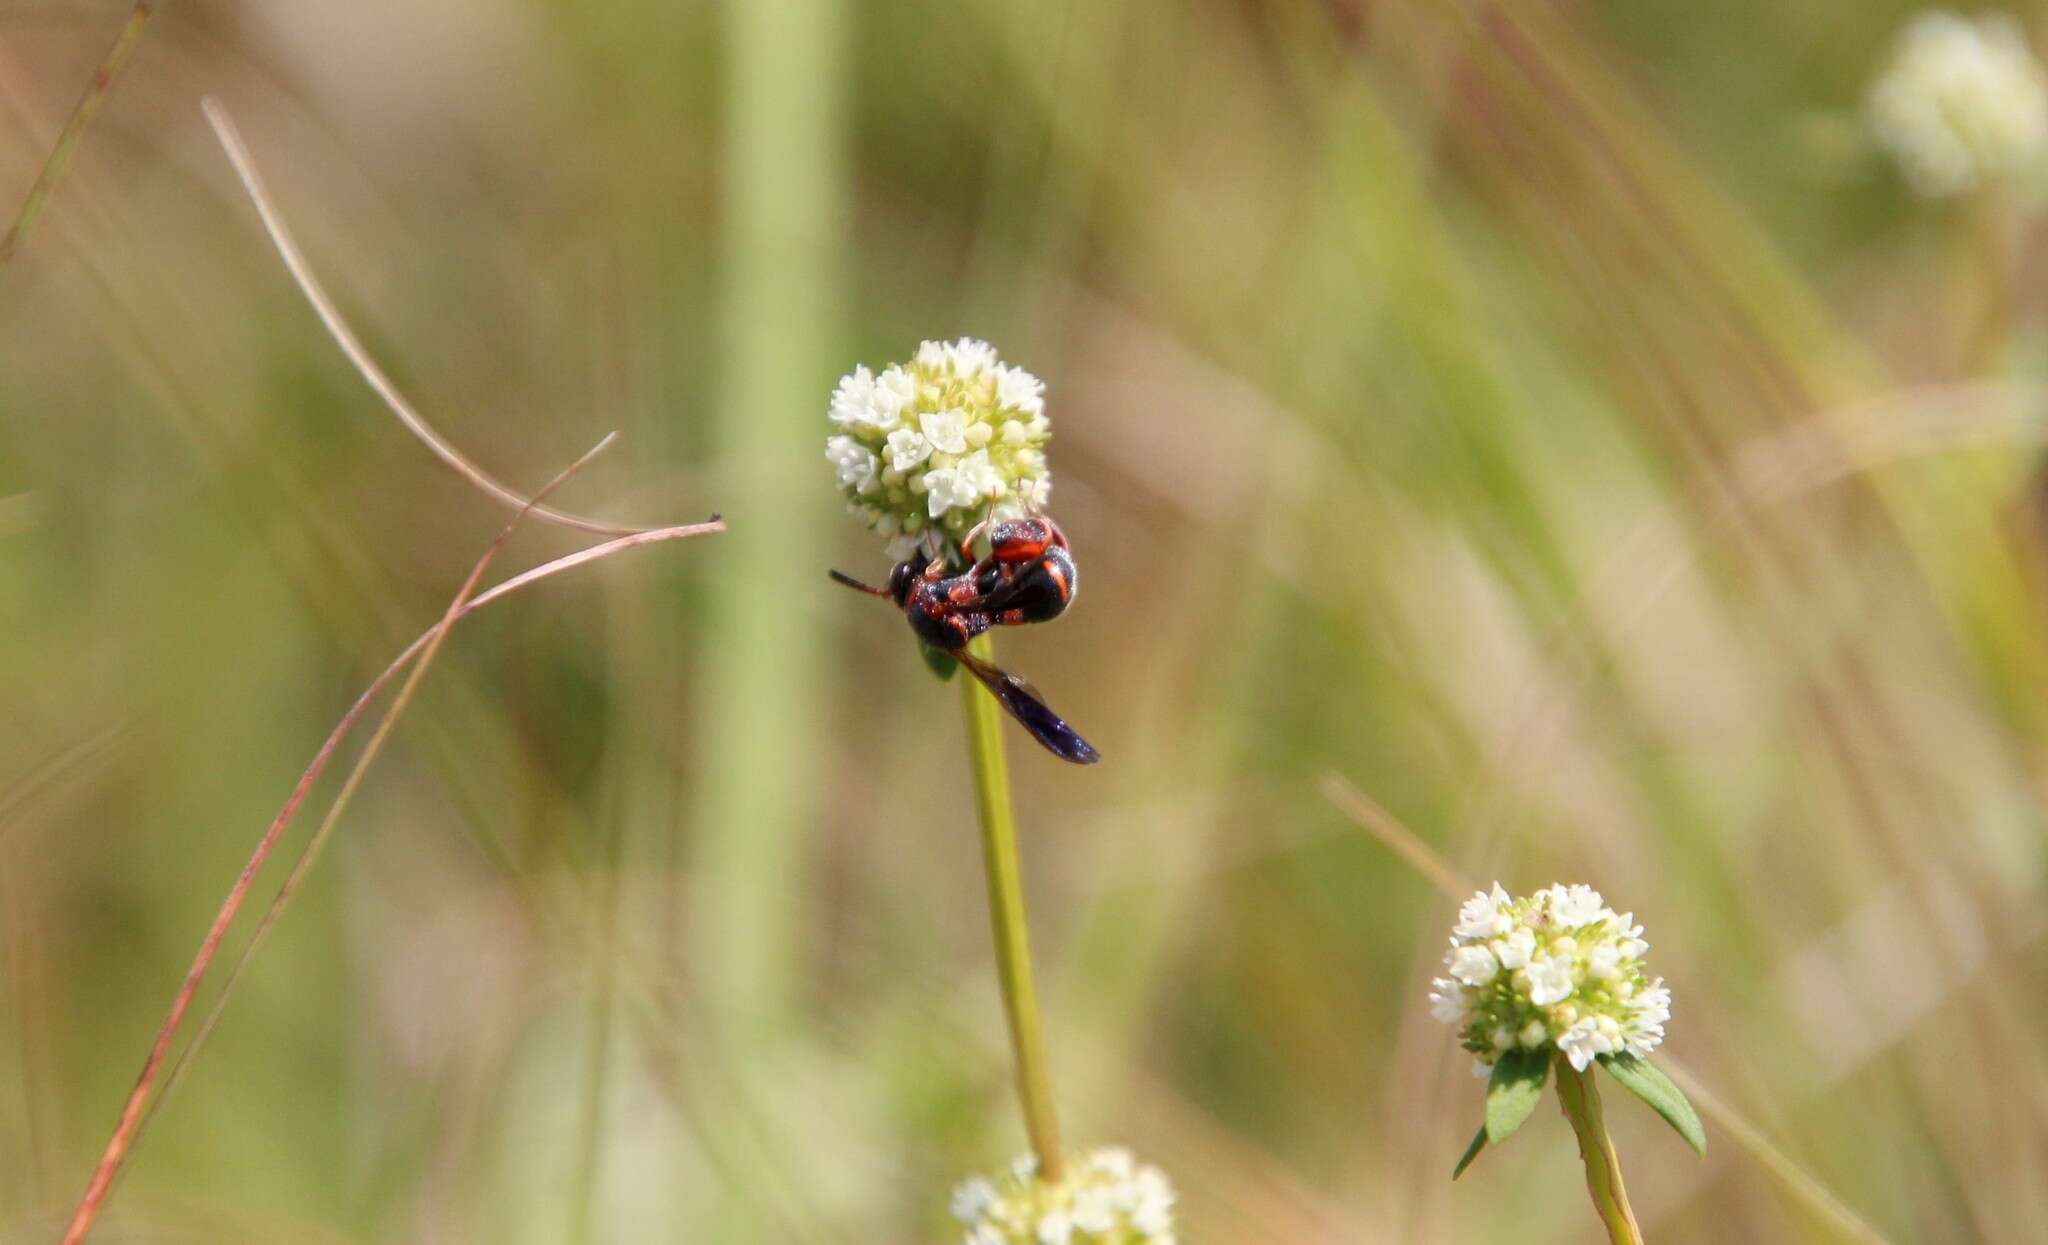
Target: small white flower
[1550, 980]
[895, 390]
[979, 475]
[1963, 101]
[1475, 966]
[1481, 915]
[1603, 963]
[1574, 906]
[1107, 1198]
[946, 430]
[971, 357]
[1514, 950]
[947, 489]
[851, 400]
[1583, 1042]
[1114, 1162]
[898, 548]
[1094, 1211]
[1153, 1211]
[1019, 390]
[907, 448]
[856, 463]
[972, 1198]
[1575, 975]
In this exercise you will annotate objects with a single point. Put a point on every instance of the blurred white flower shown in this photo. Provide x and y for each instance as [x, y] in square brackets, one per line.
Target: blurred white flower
[1447, 1002]
[1107, 1198]
[939, 442]
[1573, 978]
[972, 1197]
[1963, 101]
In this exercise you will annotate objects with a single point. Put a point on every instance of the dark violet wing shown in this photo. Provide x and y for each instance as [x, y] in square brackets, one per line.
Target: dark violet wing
[1047, 727]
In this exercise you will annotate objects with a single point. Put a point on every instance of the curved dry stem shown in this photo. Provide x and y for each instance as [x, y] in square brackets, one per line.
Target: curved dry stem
[138, 1108]
[344, 337]
[82, 115]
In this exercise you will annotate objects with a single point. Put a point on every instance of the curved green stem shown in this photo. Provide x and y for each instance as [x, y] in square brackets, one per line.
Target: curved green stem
[1006, 916]
[1580, 1098]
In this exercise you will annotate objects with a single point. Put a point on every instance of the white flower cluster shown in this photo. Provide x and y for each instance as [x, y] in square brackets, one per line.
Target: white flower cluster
[1964, 101]
[1108, 1198]
[1559, 968]
[939, 441]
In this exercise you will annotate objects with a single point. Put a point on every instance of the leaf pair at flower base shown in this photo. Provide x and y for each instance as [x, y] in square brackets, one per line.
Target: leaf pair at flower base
[1647, 1082]
[1511, 1096]
[1516, 1086]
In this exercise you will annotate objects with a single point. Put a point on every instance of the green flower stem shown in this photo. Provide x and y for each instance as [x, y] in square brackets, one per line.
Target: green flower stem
[1580, 1098]
[1006, 916]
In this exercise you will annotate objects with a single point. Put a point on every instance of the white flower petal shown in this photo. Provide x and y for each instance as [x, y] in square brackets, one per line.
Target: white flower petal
[1475, 966]
[1550, 980]
[907, 448]
[946, 430]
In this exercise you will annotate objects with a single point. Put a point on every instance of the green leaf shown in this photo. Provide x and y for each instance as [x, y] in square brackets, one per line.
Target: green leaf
[1514, 1091]
[1471, 1152]
[1646, 1082]
[940, 661]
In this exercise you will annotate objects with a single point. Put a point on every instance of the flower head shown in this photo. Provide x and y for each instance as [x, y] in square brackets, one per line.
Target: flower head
[1108, 1198]
[1963, 101]
[934, 444]
[1559, 968]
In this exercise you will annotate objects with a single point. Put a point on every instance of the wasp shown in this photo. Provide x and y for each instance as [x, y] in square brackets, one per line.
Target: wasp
[1029, 576]
[1035, 573]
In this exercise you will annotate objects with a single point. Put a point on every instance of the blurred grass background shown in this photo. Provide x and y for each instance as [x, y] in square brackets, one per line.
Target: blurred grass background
[1552, 418]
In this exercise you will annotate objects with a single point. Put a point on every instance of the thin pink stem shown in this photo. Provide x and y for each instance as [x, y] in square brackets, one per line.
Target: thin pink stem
[132, 1113]
[344, 337]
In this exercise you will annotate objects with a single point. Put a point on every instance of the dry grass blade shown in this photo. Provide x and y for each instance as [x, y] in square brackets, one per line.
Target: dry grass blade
[88, 108]
[137, 1109]
[1397, 838]
[1795, 1180]
[344, 337]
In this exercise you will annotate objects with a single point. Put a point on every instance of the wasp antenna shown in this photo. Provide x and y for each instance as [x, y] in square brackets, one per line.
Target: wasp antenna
[857, 585]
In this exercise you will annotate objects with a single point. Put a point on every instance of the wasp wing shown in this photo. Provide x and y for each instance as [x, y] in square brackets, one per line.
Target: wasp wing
[1023, 704]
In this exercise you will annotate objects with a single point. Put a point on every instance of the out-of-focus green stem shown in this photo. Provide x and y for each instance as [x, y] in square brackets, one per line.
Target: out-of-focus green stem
[1006, 917]
[784, 191]
[88, 107]
[1580, 1098]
